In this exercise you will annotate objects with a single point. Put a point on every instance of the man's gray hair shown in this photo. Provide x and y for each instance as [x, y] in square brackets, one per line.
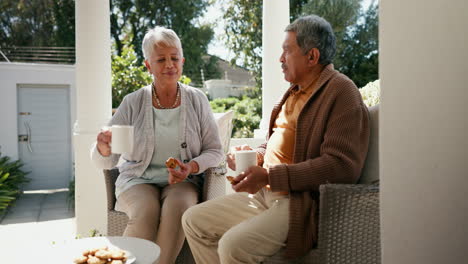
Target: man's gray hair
[314, 32]
[160, 36]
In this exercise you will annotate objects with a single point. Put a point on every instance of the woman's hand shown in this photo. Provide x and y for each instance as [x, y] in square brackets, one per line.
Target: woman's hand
[185, 169]
[104, 139]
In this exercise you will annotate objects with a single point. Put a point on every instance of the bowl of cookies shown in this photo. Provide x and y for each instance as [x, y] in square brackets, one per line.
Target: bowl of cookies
[107, 250]
[105, 255]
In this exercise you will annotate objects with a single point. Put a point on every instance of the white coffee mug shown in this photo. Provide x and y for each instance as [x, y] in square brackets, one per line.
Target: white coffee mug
[245, 159]
[122, 139]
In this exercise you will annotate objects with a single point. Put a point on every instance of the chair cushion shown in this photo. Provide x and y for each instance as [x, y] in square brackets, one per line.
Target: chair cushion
[370, 172]
[224, 122]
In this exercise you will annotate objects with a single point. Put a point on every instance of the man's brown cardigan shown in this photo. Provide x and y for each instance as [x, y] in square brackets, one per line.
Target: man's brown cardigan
[332, 137]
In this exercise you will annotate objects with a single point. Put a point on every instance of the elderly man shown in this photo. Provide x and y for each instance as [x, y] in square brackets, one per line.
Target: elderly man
[318, 134]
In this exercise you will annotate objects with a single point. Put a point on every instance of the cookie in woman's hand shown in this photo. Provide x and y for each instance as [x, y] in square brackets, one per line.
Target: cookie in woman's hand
[171, 163]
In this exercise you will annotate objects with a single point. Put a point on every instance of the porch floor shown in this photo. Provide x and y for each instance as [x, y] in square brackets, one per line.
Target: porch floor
[37, 221]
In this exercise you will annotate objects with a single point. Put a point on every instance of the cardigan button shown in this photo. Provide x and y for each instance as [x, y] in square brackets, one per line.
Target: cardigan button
[183, 145]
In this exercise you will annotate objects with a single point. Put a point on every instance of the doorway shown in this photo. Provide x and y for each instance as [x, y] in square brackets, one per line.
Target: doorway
[44, 137]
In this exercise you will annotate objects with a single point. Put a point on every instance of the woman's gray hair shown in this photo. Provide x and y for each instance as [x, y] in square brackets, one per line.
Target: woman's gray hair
[160, 36]
[314, 32]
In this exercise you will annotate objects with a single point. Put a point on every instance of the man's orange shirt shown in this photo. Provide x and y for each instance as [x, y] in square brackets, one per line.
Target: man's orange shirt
[280, 146]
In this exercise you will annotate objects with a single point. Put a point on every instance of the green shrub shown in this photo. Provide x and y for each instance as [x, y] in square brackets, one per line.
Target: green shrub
[248, 109]
[247, 114]
[127, 75]
[11, 179]
[71, 193]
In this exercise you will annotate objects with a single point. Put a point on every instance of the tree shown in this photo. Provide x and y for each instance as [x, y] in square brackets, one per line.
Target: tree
[356, 33]
[295, 8]
[130, 20]
[127, 74]
[51, 23]
[64, 11]
[355, 30]
[244, 33]
[37, 23]
[339, 13]
[359, 56]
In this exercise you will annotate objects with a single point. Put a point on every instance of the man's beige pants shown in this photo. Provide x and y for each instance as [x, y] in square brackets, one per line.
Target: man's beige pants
[155, 215]
[237, 228]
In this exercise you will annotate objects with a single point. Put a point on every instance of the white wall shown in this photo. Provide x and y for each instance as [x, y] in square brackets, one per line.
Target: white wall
[424, 129]
[13, 74]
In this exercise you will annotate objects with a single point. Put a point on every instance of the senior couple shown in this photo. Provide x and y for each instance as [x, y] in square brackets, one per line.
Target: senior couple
[318, 134]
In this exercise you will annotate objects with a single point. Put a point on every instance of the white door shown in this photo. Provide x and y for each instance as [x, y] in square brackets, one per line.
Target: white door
[44, 140]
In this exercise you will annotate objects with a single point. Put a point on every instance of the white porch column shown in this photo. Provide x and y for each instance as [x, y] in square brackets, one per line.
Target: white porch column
[423, 131]
[275, 20]
[94, 106]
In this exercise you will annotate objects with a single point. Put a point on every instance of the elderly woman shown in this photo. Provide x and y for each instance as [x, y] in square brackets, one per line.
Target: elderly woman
[170, 120]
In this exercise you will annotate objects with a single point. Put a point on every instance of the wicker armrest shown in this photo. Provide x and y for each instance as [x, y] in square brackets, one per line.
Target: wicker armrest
[349, 226]
[215, 183]
[110, 177]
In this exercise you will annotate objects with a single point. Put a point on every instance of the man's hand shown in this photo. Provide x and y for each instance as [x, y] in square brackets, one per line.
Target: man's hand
[251, 180]
[231, 156]
[104, 139]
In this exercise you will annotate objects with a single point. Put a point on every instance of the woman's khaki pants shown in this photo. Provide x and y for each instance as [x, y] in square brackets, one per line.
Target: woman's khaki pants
[156, 214]
[237, 228]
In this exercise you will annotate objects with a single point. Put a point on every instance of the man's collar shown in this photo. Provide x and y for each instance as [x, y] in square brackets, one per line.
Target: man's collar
[327, 72]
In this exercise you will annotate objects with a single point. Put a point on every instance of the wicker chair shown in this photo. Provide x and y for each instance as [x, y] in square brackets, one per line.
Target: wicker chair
[117, 221]
[213, 187]
[349, 226]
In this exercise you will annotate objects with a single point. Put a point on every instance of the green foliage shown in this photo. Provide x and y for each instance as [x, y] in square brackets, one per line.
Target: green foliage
[185, 80]
[94, 233]
[131, 19]
[71, 194]
[127, 75]
[11, 179]
[356, 31]
[358, 56]
[211, 69]
[51, 23]
[243, 29]
[37, 23]
[295, 8]
[247, 113]
[64, 12]
[371, 93]
[339, 13]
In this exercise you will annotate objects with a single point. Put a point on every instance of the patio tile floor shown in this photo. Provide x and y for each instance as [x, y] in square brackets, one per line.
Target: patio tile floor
[37, 220]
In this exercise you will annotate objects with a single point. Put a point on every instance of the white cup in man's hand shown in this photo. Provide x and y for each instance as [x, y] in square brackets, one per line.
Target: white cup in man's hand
[245, 159]
[122, 139]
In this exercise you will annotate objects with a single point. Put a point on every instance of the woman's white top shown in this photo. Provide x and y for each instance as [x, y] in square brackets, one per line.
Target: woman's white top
[197, 139]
